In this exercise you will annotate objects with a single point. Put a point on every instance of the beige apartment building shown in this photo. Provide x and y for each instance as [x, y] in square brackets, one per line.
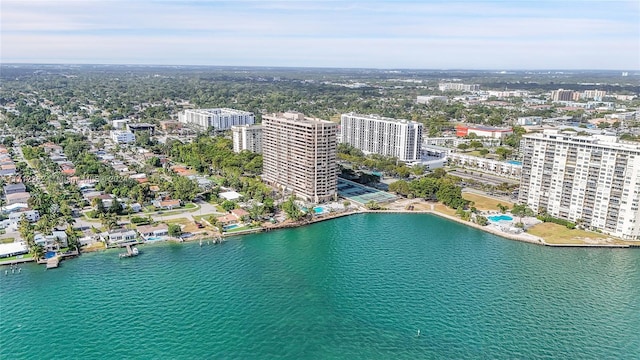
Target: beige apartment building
[299, 155]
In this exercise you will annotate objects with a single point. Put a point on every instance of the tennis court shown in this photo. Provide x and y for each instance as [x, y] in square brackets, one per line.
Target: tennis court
[362, 194]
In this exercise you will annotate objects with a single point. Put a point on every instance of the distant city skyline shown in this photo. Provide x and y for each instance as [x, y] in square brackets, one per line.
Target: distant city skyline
[500, 35]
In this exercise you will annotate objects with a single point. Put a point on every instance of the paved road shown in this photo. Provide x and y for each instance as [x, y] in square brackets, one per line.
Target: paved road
[485, 178]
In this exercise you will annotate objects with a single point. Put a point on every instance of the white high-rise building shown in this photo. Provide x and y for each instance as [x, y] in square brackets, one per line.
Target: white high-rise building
[374, 134]
[219, 119]
[247, 137]
[455, 86]
[591, 180]
[299, 154]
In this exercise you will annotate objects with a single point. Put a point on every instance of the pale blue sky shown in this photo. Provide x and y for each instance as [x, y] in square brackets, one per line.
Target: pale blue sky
[540, 34]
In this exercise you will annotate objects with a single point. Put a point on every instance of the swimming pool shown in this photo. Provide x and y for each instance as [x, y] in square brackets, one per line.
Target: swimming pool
[49, 254]
[515, 162]
[230, 227]
[155, 238]
[500, 217]
[319, 210]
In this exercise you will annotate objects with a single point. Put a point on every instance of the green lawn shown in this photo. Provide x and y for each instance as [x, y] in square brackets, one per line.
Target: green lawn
[559, 234]
[11, 258]
[199, 218]
[7, 240]
[485, 202]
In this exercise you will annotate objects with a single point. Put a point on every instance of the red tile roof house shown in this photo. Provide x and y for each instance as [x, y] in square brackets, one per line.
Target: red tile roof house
[240, 213]
[235, 216]
[227, 219]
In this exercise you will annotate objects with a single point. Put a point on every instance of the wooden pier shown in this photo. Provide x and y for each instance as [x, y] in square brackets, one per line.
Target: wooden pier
[131, 251]
[53, 262]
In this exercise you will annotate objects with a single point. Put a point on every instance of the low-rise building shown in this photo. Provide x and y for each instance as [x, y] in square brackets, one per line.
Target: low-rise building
[13, 249]
[122, 235]
[431, 98]
[167, 204]
[483, 131]
[14, 188]
[147, 231]
[122, 137]
[19, 197]
[170, 125]
[138, 127]
[511, 169]
[529, 120]
[53, 242]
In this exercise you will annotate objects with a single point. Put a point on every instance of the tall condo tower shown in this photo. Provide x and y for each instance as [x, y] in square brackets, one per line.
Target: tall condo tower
[375, 134]
[299, 154]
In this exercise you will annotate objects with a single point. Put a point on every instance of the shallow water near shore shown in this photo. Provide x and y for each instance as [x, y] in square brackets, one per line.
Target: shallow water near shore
[357, 287]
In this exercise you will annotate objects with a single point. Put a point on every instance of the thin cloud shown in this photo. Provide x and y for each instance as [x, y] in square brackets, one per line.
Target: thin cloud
[367, 34]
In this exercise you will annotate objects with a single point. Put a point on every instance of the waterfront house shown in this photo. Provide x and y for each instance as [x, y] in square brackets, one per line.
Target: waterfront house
[227, 219]
[233, 217]
[13, 249]
[53, 242]
[147, 231]
[240, 214]
[88, 240]
[121, 235]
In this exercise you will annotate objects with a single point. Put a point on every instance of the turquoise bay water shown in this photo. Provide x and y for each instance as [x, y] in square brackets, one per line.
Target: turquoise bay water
[357, 287]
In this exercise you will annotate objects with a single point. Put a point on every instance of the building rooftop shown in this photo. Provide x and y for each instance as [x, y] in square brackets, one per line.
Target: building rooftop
[215, 111]
[603, 140]
[381, 118]
[15, 187]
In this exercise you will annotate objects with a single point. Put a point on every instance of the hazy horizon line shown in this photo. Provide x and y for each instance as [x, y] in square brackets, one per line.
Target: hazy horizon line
[320, 67]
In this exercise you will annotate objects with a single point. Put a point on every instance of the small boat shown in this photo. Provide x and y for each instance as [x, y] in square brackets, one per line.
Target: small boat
[131, 251]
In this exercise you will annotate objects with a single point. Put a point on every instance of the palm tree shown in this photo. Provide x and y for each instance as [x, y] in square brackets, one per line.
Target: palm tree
[109, 221]
[37, 250]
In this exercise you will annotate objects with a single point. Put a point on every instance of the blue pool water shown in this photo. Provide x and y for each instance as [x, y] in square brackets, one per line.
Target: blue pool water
[232, 226]
[515, 162]
[500, 217]
[154, 238]
[49, 254]
[318, 210]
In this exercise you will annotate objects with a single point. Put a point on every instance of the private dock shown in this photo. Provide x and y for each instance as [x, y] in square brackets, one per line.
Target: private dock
[53, 262]
[131, 251]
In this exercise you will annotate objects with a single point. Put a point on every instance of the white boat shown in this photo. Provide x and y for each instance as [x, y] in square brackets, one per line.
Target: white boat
[135, 251]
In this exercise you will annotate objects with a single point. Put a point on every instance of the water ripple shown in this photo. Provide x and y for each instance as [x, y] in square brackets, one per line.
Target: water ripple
[358, 287]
